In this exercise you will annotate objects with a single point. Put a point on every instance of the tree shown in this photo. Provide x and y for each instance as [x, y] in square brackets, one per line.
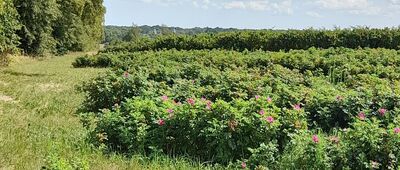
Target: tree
[93, 21]
[69, 30]
[50, 26]
[37, 18]
[8, 26]
[133, 34]
[165, 30]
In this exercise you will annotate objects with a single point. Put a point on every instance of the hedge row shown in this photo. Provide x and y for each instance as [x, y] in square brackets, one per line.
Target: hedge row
[269, 40]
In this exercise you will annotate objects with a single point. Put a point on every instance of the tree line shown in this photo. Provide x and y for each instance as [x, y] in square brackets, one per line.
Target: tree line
[128, 33]
[269, 40]
[40, 27]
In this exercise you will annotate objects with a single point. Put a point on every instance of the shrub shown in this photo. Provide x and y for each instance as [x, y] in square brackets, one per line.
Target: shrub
[258, 108]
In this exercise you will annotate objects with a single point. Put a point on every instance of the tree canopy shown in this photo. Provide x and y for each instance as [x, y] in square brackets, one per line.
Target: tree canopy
[39, 27]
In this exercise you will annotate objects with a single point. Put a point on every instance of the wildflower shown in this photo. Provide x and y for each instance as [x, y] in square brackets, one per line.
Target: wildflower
[382, 111]
[170, 111]
[208, 105]
[269, 99]
[374, 165]
[315, 138]
[270, 119]
[164, 98]
[397, 130]
[262, 112]
[361, 116]
[257, 97]
[203, 99]
[126, 74]
[297, 107]
[190, 101]
[161, 122]
[244, 165]
[335, 139]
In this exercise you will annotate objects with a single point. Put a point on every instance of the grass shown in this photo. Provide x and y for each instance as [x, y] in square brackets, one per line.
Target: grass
[38, 125]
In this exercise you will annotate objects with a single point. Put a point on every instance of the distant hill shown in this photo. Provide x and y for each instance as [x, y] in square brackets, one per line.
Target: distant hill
[113, 33]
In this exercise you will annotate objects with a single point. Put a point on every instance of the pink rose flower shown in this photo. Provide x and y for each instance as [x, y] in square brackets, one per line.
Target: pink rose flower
[208, 105]
[270, 119]
[269, 99]
[397, 130]
[382, 111]
[126, 74]
[244, 165]
[161, 122]
[315, 138]
[361, 116]
[297, 107]
[164, 98]
[191, 101]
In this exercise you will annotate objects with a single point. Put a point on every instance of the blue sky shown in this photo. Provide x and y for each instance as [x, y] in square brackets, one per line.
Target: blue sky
[255, 14]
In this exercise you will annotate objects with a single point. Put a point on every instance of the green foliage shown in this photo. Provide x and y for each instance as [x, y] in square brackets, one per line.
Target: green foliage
[117, 33]
[37, 25]
[270, 40]
[55, 162]
[133, 34]
[261, 108]
[50, 26]
[8, 26]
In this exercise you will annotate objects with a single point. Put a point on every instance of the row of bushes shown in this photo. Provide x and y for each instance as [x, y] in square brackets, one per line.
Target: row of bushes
[255, 132]
[259, 108]
[269, 40]
[338, 63]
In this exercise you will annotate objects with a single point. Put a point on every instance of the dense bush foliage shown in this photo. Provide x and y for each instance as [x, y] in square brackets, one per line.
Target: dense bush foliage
[40, 27]
[304, 109]
[8, 26]
[270, 40]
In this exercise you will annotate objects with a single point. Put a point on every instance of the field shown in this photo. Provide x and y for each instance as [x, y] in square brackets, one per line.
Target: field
[38, 125]
[333, 108]
[241, 92]
[206, 107]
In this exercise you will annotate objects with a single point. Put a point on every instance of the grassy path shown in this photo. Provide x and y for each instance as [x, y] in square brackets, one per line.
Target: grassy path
[37, 105]
[38, 127]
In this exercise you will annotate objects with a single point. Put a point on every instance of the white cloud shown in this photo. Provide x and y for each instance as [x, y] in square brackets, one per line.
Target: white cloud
[261, 5]
[163, 2]
[343, 4]
[314, 14]
[395, 2]
[365, 7]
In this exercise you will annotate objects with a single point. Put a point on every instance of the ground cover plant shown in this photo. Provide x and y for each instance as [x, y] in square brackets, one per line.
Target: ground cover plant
[336, 108]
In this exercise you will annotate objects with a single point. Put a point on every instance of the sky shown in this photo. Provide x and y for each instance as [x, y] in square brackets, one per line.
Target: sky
[255, 14]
